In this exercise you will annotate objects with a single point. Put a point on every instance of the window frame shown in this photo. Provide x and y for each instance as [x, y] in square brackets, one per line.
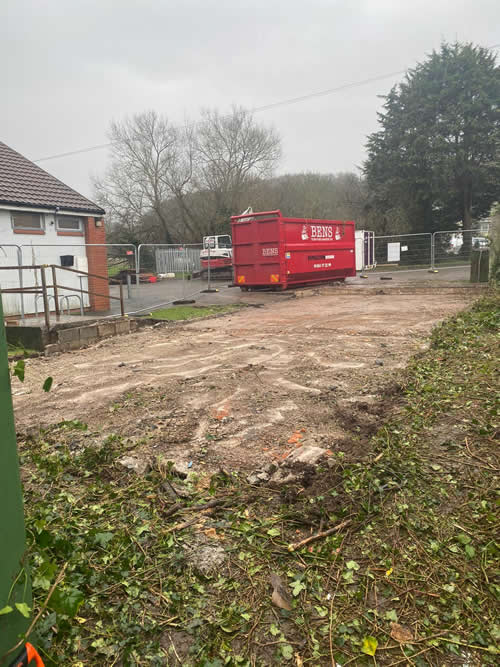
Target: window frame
[36, 230]
[60, 218]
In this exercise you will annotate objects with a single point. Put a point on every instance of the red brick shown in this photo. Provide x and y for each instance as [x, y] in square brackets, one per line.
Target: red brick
[98, 265]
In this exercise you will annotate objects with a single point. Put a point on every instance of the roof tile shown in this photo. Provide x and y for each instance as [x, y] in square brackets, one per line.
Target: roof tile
[23, 183]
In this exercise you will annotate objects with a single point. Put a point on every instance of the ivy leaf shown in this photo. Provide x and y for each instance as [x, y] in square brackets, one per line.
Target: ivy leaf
[287, 652]
[369, 645]
[44, 575]
[470, 552]
[274, 630]
[19, 369]
[297, 586]
[348, 577]
[23, 609]
[47, 385]
[321, 611]
[6, 610]
[103, 539]
[66, 601]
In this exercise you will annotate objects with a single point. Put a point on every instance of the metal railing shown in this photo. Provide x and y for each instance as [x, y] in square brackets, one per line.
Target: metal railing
[43, 290]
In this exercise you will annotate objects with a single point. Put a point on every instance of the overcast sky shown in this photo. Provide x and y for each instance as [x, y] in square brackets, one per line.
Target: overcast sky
[68, 67]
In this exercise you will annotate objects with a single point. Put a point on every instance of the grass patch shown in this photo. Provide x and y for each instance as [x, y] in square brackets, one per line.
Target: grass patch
[114, 267]
[14, 351]
[192, 312]
[411, 580]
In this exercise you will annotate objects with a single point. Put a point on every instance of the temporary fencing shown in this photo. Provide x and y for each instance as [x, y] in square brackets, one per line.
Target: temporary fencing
[155, 275]
[453, 249]
[403, 252]
[11, 255]
[424, 251]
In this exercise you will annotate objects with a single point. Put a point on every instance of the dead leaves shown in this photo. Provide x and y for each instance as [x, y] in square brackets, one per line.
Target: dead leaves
[401, 633]
[280, 597]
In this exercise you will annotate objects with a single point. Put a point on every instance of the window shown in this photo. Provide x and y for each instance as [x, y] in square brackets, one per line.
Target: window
[67, 223]
[27, 221]
[225, 242]
[67, 260]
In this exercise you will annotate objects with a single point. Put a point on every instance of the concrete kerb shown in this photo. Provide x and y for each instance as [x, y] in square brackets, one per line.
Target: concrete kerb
[64, 337]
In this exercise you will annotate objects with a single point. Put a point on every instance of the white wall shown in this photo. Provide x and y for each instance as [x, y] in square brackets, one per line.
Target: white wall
[34, 253]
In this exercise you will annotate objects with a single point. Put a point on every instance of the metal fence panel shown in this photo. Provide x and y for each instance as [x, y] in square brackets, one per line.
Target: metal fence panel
[408, 252]
[177, 259]
[122, 260]
[452, 249]
[13, 304]
[364, 249]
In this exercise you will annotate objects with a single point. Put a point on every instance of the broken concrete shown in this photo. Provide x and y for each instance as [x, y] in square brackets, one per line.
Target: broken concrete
[207, 559]
[139, 466]
[309, 455]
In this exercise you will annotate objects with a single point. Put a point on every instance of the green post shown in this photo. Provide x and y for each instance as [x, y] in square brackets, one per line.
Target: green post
[479, 265]
[15, 584]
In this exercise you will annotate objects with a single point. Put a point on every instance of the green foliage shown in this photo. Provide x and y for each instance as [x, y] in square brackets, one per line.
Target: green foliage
[21, 351]
[19, 370]
[23, 609]
[436, 155]
[47, 385]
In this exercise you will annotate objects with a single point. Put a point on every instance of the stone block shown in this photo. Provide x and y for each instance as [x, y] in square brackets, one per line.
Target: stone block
[122, 326]
[88, 334]
[67, 336]
[106, 329]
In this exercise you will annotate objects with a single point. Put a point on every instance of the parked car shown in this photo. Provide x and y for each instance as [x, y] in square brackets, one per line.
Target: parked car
[480, 242]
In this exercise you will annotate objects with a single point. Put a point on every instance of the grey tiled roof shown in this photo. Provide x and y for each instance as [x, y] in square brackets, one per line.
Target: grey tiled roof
[23, 183]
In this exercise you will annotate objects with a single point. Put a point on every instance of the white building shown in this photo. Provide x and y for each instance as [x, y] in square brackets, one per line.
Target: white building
[43, 222]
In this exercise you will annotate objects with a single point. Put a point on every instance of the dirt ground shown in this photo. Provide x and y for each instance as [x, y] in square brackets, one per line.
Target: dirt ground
[242, 390]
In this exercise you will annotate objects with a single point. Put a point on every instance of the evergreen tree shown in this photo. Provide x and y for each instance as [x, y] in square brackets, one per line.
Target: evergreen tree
[437, 153]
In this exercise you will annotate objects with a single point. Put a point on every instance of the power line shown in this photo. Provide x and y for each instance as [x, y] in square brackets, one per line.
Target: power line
[265, 107]
[322, 93]
[80, 150]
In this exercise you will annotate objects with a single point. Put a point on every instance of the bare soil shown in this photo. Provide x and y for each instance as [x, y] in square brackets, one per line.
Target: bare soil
[243, 390]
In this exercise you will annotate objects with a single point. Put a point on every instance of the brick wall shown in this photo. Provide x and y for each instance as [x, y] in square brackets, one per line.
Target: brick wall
[98, 264]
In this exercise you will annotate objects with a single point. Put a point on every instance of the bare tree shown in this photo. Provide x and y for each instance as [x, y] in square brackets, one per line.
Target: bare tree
[145, 148]
[189, 179]
[230, 152]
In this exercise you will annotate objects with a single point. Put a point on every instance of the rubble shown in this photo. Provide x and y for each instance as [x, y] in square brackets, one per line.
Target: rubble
[207, 559]
[299, 462]
[139, 466]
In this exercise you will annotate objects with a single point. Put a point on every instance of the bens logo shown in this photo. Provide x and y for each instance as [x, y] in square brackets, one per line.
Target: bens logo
[269, 252]
[321, 232]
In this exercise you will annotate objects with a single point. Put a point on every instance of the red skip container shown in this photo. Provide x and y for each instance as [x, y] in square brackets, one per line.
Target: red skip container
[272, 251]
